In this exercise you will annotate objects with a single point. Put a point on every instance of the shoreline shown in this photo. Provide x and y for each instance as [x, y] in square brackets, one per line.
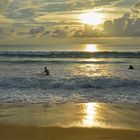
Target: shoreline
[103, 115]
[59, 133]
[81, 121]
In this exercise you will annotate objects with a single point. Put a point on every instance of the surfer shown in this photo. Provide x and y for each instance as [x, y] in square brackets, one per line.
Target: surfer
[46, 71]
[131, 67]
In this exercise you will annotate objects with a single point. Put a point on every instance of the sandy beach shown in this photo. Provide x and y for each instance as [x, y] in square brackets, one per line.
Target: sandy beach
[57, 133]
[83, 121]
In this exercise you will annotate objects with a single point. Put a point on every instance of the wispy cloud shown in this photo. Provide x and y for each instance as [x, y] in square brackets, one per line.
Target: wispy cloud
[51, 17]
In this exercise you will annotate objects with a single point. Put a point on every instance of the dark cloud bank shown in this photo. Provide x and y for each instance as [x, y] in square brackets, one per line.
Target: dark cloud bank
[124, 26]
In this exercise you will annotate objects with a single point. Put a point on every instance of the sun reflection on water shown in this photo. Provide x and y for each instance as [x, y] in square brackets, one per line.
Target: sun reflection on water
[90, 48]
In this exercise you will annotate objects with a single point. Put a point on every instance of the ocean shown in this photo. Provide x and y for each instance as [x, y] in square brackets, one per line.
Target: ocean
[76, 75]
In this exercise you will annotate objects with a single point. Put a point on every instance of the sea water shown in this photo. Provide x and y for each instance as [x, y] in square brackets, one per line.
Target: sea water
[75, 75]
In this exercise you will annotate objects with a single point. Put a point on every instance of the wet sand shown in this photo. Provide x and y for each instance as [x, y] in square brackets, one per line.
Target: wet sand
[88, 121]
[57, 133]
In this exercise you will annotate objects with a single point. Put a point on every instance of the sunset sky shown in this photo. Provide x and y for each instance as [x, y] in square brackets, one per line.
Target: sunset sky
[69, 18]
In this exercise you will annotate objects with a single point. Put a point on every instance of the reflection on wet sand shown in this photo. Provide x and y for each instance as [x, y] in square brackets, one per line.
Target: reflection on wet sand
[72, 115]
[90, 111]
[107, 116]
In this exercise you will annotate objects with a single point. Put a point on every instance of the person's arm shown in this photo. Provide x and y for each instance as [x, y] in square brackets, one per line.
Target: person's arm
[43, 72]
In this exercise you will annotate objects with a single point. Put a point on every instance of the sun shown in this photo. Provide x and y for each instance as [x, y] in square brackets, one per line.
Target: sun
[91, 18]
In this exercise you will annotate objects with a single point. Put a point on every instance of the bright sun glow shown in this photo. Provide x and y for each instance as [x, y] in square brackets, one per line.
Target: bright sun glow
[90, 116]
[90, 48]
[91, 18]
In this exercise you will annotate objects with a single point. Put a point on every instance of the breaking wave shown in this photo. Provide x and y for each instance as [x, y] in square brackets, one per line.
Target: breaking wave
[61, 62]
[71, 54]
[67, 83]
[78, 89]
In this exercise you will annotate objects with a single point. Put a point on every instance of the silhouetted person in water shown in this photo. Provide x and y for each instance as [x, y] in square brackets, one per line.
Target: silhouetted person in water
[46, 71]
[131, 67]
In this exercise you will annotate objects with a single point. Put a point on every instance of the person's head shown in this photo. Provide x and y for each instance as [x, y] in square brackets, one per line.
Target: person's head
[45, 67]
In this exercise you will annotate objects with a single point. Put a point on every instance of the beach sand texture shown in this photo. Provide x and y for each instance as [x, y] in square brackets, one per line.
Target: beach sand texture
[57, 133]
[87, 121]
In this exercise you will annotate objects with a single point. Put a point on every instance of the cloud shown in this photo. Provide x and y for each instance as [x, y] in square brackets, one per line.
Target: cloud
[30, 17]
[29, 10]
[86, 4]
[1, 31]
[105, 2]
[124, 26]
[46, 33]
[137, 4]
[36, 30]
[5, 20]
[59, 33]
[136, 8]
[78, 33]
[4, 4]
[125, 3]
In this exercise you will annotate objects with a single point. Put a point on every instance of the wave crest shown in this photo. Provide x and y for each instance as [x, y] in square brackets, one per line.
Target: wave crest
[71, 83]
[72, 54]
[83, 89]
